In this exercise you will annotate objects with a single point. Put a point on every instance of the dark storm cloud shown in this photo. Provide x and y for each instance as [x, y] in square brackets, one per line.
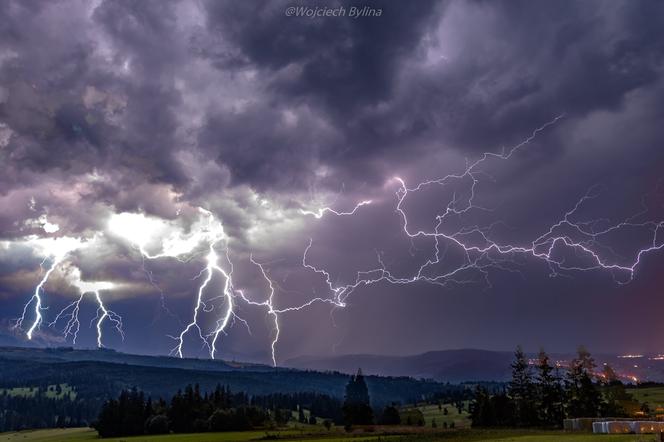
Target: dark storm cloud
[337, 67]
[50, 78]
[466, 76]
[542, 59]
[419, 75]
[344, 64]
[160, 107]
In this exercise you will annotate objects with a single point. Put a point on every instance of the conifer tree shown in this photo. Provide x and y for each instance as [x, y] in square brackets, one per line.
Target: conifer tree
[357, 408]
[550, 393]
[583, 397]
[522, 390]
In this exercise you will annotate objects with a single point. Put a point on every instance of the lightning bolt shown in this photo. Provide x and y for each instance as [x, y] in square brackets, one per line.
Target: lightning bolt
[543, 247]
[36, 298]
[479, 251]
[182, 247]
[102, 314]
[274, 312]
[322, 211]
[489, 253]
[73, 324]
[222, 323]
[57, 251]
[269, 304]
[72, 310]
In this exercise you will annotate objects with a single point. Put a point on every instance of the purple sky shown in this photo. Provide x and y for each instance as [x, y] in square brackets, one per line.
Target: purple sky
[179, 126]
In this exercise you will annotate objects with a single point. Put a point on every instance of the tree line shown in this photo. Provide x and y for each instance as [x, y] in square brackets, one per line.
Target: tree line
[94, 386]
[37, 410]
[19, 412]
[542, 395]
[191, 411]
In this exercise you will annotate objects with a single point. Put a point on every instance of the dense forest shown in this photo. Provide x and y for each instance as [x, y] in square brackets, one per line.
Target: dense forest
[191, 411]
[19, 412]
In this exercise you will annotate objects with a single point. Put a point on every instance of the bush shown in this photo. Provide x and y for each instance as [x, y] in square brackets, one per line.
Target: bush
[221, 420]
[244, 418]
[157, 425]
[281, 417]
[390, 416]
[201, 426]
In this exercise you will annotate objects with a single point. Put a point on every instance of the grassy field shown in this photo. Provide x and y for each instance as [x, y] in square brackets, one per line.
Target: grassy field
[433, 412]
[86, 434]
[52, 391]
[653, 396]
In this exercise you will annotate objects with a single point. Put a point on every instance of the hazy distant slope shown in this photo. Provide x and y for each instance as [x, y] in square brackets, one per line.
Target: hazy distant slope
[445, 365]
[65, 354]
[7, 340]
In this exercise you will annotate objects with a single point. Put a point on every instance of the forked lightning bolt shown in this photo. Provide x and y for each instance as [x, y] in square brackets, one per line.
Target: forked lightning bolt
[221, 323]
[490, 253]
[71, 311]
[37, 300]
[480, 253]
[275, 312]
[320, 212]
[269, 304]
[183, 247]
[57, 251]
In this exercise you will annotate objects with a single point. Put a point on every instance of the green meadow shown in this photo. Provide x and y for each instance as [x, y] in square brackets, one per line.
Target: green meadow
[335, 435]
[52, 391]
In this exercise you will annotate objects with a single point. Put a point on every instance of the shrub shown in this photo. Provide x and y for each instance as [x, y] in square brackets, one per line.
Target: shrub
[157, 425]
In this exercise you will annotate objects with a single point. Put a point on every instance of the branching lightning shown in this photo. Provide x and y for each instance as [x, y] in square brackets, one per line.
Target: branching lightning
[480, 253]
[275, 312]
[543, 247]
[36, 298]
[269, 304]
[320, 212]
[71, 311]
[58, 251]
[139, 230]
[479, 250]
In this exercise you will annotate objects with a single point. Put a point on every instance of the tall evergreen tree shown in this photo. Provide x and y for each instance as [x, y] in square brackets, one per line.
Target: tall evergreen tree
[583, 397]
[522, 390]
[357, 407]
[550, 392]
[482, 413]
[495, 410]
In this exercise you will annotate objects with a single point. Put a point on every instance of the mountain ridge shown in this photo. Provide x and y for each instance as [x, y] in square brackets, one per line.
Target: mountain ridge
[457, 365]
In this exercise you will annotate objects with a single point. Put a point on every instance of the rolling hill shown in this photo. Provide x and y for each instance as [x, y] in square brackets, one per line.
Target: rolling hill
[445, 366]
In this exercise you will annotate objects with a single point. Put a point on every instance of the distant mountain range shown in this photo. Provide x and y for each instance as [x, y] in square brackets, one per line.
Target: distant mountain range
[474, 365]
[453, 366]
[68, 354]
[445, 365]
